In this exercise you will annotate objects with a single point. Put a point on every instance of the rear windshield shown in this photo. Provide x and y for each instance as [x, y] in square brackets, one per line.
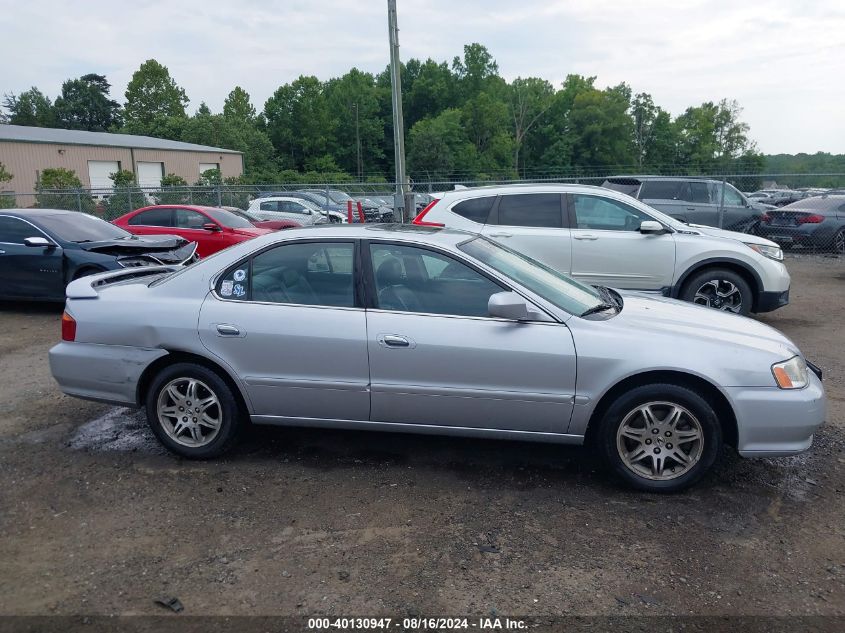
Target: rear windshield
[628, 186]
[828, 203]
[79, 227]
[227, 218]
[660, 190]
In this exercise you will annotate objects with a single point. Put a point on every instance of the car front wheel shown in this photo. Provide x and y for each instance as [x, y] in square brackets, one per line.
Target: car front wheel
[660, 438]
[719, 288]
[192, 411]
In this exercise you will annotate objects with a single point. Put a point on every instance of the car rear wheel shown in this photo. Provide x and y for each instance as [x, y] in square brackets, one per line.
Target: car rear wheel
[660, 438]
[192, 411]
[719, 288]
[839, 242]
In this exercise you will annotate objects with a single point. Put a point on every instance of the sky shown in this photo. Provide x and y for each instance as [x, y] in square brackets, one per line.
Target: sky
[783, 61]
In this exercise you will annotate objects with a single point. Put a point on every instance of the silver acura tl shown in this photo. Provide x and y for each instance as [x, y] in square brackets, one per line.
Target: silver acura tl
[429, 330]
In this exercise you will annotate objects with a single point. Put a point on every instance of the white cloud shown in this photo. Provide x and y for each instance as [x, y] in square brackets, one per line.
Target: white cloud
[782, 60]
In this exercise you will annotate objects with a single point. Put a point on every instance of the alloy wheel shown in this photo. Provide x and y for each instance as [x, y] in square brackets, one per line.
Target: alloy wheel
[720, 294]
[660, 441]
[839, 243]
[189, 412]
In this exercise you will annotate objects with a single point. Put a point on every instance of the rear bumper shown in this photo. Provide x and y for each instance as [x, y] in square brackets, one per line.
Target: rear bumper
[105, 373]
[815, 235]
[774, 422]
[771, 300]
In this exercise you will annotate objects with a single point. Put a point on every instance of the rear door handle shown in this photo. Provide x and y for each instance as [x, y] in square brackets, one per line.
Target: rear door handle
[690, 208]
[587, 236]
[394, 340]
[224, 329]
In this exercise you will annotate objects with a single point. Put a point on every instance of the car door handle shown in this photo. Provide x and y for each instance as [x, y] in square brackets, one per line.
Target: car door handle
[690, 208]
[393, 340]
[224, 329]
[587, 236]
[501, 234]
[2, 252]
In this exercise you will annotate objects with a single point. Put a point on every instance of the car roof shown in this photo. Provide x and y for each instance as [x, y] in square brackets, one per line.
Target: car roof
[35, 213]
[645, 177]
[393, 232]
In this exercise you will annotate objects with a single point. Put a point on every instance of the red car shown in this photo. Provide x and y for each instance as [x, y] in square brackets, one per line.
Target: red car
[273, 225]
[211, 228]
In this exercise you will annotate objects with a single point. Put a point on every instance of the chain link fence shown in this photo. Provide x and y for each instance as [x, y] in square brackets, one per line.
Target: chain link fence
[803, 212]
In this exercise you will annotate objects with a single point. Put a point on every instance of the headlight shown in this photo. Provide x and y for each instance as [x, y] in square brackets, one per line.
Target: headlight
[791, 374]
[772, 252]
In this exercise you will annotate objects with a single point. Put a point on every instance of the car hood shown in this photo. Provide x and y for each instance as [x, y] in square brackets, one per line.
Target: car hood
[659, 315]
[746, 238]
[164, 249]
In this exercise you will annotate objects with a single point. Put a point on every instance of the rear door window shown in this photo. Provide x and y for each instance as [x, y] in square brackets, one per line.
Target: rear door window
[660, 190]
[153, 217]
[542, 210]
[475, 209]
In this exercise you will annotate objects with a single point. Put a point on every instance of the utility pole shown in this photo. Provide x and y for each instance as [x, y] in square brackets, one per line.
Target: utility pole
[403, 200]
[358, 144]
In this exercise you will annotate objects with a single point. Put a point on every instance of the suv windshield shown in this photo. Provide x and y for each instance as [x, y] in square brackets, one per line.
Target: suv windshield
[560, 290]
[79, 227]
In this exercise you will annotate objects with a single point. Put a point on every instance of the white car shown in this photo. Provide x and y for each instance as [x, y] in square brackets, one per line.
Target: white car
[287, 208]
[605, 238]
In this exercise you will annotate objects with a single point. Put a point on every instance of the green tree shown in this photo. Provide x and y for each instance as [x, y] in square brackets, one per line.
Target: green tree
[127, 195]
[432, 89]
[299, 123]
[712, 135]
[30, 107]
[174, 190]
[601, 129]
[529, 100]
[485, 119]
[85, 105]
[475, 70]
[6, 201]
[439, 146]
[154, 102]
[60, 188]
[238, 107]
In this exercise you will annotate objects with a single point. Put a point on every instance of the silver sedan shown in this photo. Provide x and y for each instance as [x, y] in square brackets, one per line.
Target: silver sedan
[429, 330]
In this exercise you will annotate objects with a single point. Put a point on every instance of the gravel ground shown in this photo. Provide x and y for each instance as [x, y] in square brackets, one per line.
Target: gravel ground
[96, 519]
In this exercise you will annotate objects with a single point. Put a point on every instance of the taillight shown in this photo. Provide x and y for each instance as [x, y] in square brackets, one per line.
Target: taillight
[68, 327]
[813, 218]
[419, 221]
[765, 218]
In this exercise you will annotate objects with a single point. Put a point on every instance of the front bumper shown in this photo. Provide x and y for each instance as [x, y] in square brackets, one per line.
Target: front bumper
[774, 422]
[771, 300]
[105, 373]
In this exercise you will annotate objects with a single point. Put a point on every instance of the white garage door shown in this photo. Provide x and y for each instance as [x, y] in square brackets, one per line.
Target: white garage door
[150, 174]
[99, 172]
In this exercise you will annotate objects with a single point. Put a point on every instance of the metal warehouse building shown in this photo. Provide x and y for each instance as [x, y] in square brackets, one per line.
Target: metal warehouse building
[27, 151]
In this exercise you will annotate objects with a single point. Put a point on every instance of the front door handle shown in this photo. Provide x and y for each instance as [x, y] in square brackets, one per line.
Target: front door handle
[224, 329]
[394, 340]
[690, 208]
[586, 236]
[501, 234]
[2, 252]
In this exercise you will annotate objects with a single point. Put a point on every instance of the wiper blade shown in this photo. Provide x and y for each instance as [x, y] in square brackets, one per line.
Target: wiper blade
[598, 308]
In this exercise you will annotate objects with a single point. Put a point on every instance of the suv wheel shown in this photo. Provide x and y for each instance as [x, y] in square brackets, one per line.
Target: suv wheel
[660, 438]
[192, 411]
[719, 288]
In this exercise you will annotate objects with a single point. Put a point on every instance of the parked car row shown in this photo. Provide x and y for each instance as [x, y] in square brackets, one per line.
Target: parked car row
[332, 202]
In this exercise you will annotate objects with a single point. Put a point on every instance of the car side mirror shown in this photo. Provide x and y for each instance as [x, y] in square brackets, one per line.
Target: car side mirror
[651, 226]
[211, 226]
[508, 305]
[38, 242]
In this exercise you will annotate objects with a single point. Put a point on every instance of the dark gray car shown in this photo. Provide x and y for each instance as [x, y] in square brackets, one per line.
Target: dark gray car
[817, 222]
[693, 200]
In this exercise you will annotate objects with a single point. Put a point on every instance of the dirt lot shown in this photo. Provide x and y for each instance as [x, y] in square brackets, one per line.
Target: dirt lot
[95, 519]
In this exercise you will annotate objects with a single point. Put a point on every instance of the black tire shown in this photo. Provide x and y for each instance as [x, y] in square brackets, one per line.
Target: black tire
[718, 277]
[227, 410]
[838, 243]
[627, 404]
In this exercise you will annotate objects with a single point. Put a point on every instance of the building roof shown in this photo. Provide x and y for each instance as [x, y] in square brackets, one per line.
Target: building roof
[27, 134]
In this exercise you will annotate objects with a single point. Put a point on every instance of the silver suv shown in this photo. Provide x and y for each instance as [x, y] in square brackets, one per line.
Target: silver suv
[694, 200]
[605, 238]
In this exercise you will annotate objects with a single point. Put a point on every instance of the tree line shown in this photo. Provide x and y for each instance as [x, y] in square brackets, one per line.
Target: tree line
[463, 122]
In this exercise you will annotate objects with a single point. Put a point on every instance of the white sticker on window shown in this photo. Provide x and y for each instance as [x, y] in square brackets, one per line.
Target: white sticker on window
[238, 290]
[226, 288]
[239, 275]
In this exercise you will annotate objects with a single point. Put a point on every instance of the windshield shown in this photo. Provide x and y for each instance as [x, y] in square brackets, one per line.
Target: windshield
[227, 218]
[339, 197]
[316, 198]
[80, 227]
[310, 205]
[564, 292]
[245, 214]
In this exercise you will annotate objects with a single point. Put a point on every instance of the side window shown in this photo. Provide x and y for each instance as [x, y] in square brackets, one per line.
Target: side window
[187, 219]
[603, 214]
[534, 209]
[660, 190]
[271, 205]
[732, 196]
[234, 284]
[153, 217]
[317, 274]
[475, 209]
[15, 231]
[699, 192]
[411, 279]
